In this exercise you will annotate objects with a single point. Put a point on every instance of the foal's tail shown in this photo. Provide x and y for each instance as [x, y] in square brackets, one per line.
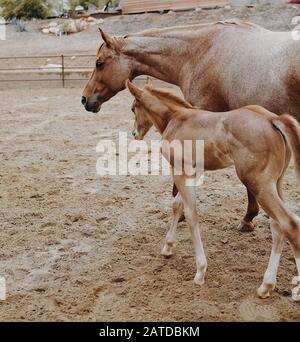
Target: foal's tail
[290, 129]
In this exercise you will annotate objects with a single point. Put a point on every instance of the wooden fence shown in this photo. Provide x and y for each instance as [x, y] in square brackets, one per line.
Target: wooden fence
[140, 6]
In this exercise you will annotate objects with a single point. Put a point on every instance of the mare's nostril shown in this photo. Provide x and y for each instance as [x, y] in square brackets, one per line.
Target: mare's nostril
[83, 100]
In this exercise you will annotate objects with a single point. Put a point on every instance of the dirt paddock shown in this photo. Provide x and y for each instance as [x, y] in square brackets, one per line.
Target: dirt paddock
[75, 246]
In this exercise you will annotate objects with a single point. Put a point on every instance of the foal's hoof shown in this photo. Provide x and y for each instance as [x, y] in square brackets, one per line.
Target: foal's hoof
[265, 290]
[167, 251]
[199, 279]
[246, 226]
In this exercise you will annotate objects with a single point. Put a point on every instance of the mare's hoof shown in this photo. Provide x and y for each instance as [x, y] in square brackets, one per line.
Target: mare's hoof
[246, 227]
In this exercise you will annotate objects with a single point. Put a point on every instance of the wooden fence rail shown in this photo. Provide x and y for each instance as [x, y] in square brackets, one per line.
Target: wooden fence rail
[139, 6]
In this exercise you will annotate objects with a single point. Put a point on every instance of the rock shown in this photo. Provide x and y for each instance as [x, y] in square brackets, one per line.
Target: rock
[198, 9]
[46, 31]
[227, 7]
[73, 57]
[91, 19]
[53, 24]
[70, 27]
[100, 21]
[79, 8]
[225, 240]
[81, 25]
[171, 12]
[55, 30]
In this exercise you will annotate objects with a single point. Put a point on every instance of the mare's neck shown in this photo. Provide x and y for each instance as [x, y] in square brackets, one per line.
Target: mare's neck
[159, 57]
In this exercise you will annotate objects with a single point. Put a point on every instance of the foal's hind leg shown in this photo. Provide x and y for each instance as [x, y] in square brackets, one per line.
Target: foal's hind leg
[269, 280]
[167, 250]
[278, 238]
[247, 224]
[287, 225]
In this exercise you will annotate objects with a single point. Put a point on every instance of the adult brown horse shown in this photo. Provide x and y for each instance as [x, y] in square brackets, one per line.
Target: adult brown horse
[219, 67]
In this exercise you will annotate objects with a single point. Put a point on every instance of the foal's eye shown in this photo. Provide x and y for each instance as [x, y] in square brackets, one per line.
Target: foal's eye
[99, 65]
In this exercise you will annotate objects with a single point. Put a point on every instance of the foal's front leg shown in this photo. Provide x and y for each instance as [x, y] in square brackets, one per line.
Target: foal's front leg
[167, 250]
[190, 211]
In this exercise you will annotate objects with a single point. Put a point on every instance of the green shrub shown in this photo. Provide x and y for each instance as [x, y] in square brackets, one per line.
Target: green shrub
[26, 9]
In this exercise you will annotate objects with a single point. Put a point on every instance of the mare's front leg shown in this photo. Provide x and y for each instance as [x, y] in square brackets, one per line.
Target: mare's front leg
[190, 211]
[247, 224]
[177, 206]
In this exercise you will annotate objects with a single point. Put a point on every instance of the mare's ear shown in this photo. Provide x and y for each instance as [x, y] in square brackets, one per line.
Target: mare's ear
[108, 40]
[135, 91]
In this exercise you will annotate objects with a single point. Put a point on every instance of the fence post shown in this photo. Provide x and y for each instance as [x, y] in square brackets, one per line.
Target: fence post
[63, 70]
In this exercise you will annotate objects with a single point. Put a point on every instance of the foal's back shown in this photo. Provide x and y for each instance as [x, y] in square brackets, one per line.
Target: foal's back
[245, 135]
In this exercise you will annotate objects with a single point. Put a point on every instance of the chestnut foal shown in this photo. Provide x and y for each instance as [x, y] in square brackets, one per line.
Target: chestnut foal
[257, 142]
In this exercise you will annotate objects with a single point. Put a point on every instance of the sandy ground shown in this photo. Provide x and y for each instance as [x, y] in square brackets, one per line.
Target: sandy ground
[75, 246]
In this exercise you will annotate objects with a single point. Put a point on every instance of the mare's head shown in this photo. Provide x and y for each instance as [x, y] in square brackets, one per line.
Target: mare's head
[112, 69]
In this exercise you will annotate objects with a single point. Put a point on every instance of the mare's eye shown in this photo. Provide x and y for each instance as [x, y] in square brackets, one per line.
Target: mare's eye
[99, 65]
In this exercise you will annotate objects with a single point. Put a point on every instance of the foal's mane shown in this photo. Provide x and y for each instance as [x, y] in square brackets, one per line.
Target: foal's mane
[167, 96]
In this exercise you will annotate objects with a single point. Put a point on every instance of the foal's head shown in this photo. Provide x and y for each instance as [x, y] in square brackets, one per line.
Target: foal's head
[142, 123]
[154, 107]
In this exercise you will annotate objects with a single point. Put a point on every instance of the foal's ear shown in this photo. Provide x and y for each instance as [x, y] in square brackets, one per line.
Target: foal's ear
[108, 40]
[135, 91]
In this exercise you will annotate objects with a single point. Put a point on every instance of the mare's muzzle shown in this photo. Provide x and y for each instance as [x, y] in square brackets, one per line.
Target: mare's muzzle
[92, 103]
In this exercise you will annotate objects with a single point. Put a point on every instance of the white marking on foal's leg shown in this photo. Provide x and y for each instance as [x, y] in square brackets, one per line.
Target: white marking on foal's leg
[296, 282]
[269, 280]
[188, 195]
[201, 261]
[169, 245]
[298, 265]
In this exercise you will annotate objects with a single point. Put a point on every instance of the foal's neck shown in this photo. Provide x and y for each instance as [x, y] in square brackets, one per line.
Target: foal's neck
[160, 115]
